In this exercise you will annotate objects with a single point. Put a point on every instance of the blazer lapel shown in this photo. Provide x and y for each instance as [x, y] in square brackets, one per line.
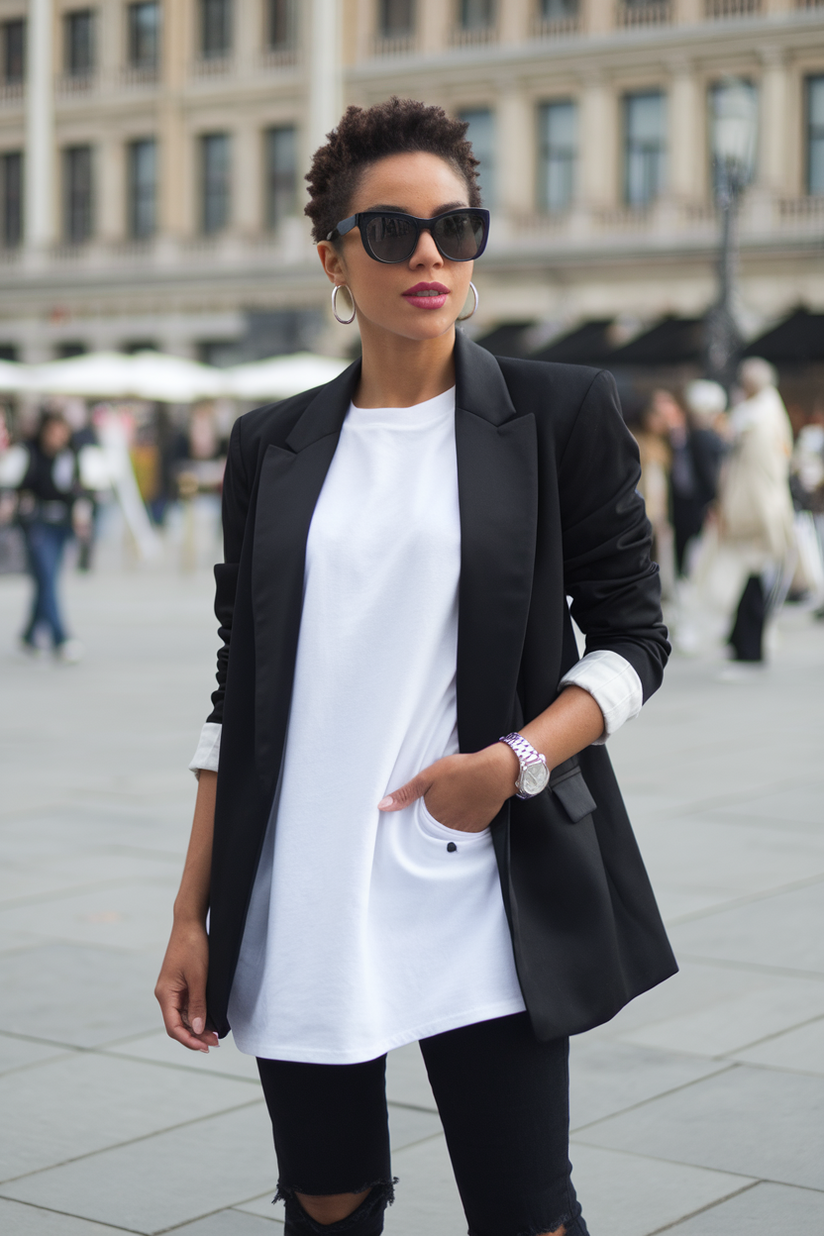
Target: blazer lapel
[498, 495]
[291, 478]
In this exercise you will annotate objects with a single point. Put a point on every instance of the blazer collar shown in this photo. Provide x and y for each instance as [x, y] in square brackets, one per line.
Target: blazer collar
[325, 414]
[479, 383]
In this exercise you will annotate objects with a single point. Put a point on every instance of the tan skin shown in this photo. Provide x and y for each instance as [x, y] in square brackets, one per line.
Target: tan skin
[407, 358]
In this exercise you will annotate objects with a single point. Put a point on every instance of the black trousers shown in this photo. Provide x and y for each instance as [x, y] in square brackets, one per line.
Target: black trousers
[503, 1099]
[747, 635]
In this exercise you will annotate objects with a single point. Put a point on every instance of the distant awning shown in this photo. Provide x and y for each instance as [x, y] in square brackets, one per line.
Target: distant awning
[798, 340]
[510, 339]
[672, 341]
[588, 344]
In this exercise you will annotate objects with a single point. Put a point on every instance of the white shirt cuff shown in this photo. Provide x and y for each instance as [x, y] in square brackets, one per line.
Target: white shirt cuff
[613, 684]
[208, 748]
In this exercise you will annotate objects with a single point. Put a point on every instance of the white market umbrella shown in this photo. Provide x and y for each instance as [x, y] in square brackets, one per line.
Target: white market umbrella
[281, 376]
[13, 377]
[115, 375]
[96, 374]
[174, 379]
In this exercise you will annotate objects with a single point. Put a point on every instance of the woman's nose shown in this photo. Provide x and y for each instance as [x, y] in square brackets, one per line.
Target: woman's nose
[426, 252]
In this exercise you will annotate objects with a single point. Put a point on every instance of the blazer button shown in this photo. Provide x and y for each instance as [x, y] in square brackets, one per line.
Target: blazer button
[451, 847]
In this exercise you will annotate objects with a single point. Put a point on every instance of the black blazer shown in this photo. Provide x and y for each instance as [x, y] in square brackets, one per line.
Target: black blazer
[548, 506]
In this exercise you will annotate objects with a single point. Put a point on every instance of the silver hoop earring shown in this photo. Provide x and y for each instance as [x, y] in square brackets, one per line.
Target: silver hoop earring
[465, 316]
[338, 318]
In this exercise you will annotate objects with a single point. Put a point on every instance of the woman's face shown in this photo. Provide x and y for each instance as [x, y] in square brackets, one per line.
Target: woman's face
[419, 184]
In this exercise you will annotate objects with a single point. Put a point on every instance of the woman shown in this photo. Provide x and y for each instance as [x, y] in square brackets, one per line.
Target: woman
[378, 867]
[51, 507]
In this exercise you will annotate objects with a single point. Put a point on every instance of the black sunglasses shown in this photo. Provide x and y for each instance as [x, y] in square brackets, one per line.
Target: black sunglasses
[390, 236]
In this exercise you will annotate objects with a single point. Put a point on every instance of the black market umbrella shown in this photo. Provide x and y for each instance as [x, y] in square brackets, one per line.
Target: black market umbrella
[672, 341]
[798, 340]
[588, 344]
[507, 340]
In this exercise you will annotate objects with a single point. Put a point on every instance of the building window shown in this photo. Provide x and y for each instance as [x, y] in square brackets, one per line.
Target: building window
[142, 187]
[481, 134]
[144, 36]
[77, 193]
[11, 198]
[215, 28]
[557, 10]
[815, 135]
[78, 43]
[65, 351]
[281, 175]
[476, 14]
[396, 18]
[14, 51]
[282, 24]
[215, 198]
[645, 147]
[558, 137]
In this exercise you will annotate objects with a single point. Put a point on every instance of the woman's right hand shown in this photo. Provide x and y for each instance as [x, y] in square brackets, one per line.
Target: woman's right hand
[181, 987]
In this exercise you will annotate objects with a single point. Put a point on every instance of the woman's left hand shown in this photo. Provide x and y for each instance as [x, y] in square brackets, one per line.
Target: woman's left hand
[464, 792]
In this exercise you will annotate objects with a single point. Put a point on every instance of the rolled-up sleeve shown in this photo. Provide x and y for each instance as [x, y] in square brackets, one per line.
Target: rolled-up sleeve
[613, 684]
[208, 749]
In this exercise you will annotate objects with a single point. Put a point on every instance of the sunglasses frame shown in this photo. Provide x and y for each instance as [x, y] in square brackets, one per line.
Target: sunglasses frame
[421, 225]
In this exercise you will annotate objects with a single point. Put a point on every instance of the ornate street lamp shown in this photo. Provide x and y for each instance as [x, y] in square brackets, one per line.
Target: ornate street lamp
[734, 120]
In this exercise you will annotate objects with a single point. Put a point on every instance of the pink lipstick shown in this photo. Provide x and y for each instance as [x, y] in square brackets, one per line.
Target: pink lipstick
[427, 295]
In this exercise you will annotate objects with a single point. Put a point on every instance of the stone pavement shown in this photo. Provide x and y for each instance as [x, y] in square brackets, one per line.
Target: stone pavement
[698, 1111]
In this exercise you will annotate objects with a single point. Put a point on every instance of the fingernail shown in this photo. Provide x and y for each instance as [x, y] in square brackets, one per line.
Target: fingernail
[197, 1025]
[386, 803]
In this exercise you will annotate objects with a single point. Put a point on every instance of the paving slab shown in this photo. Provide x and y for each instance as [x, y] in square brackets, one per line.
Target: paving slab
[756, 1122]
[756, 1006]
[158, 1048]
[78, 995]
[21, 1053]
[765, 1208]
[19, 1220]
[782, 930]
[134, 914]
[699, 863]
[608, 1077]
[166, 1180]
[800, 1050]
[628, 1195]
[84, 1102]
[228, 1223]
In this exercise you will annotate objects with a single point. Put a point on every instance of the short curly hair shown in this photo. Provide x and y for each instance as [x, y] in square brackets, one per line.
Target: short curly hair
[364, 135]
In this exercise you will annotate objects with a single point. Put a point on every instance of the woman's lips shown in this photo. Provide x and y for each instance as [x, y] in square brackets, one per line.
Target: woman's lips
[427, 295]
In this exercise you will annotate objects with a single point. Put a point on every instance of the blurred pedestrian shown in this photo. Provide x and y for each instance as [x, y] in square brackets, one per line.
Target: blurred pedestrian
[698, 450]
[51, 506]
[755, 507]
[652, 433]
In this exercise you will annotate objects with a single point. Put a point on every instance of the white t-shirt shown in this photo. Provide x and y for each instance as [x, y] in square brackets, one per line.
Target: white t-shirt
[368, 930]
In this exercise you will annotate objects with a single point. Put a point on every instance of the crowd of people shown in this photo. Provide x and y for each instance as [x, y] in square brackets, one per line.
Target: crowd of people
[735, 507]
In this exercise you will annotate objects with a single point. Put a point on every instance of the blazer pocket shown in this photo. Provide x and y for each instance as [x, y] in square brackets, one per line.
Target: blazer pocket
[567, 784]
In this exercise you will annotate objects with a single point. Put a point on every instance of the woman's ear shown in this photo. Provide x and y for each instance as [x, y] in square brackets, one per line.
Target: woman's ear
[331, 261]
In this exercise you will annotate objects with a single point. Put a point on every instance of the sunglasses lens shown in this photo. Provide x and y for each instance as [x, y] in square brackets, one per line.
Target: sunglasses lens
[460, 236]
[391, 237]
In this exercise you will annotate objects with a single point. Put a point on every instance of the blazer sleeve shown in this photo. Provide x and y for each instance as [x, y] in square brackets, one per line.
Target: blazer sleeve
[615, 588]
[236, 492]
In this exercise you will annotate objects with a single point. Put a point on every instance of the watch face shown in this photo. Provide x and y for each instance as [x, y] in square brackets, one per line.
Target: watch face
[533, 779]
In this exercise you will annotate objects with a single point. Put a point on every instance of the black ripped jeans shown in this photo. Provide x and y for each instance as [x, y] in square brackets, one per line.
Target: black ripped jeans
[503, 1098]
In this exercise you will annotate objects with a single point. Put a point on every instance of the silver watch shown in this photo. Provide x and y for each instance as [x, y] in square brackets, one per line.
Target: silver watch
[534, 774]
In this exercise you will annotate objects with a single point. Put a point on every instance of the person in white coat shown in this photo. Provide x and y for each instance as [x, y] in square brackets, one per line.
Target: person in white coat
[755, 507]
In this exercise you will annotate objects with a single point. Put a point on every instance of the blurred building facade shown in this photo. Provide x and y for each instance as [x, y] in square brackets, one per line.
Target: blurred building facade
[152, 155]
